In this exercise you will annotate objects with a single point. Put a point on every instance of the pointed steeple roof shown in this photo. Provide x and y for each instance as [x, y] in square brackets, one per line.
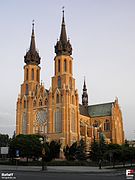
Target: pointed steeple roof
[63, 35]
[32, 43]
[84, 85]
[84, 95]
[63, 46]
[32, 56]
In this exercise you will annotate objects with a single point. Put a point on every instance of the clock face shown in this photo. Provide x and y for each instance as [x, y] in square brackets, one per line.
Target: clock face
[41, 116]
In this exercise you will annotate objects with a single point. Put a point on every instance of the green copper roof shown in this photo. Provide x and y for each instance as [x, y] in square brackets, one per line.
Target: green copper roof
[100, 110]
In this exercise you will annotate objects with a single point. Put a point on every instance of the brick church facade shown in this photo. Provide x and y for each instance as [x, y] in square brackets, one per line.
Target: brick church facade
[56, 112]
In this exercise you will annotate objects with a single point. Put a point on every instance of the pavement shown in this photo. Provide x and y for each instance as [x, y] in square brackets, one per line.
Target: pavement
[58, 169]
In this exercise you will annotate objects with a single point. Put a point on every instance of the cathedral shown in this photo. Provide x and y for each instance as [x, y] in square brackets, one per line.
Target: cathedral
[56, 112]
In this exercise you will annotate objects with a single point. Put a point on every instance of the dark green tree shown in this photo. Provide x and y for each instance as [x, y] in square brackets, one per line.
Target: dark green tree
[81, 151]
[94, 151]
[4, 140]
[55, 149]
[70, 152]
[29, 146]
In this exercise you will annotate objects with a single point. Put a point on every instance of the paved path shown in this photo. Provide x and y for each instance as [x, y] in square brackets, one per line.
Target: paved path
[59, 169]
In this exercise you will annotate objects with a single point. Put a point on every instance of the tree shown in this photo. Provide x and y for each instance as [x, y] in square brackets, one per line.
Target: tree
[55, 149]
[4, 140]
[70, 152]
[80, 154]
[95, 151]
[29, 146]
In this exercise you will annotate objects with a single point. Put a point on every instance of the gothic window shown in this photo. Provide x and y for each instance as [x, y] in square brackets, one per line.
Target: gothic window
[27, 74]
[59, 65]
[70, 83]
[58, 120]
[27, 89]
[57, 98]
[59, 82]
[70, 67]
[32, 74]
[37, 75]
[25, 104]
[73, 120]
[107, 125]
[82, 130]
[72, 99]
[65, 65]
[24, 123]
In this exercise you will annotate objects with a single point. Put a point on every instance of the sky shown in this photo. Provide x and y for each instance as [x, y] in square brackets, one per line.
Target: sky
[102, 34]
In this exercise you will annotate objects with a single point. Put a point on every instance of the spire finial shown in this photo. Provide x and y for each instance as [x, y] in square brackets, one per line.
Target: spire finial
[63, 22]
[84, 86]
[33, 23]
[63, 9]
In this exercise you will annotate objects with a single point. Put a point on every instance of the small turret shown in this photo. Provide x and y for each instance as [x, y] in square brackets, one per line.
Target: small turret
[84, 95]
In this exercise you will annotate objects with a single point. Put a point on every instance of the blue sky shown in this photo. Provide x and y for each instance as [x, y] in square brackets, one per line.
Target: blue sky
[102, 33]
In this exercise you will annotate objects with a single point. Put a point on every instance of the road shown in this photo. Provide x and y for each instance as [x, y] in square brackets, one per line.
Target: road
[66, 176]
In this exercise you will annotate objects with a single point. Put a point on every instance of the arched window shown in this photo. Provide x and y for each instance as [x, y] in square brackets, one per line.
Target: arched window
[107, 125]
[27, 74]
[24, 123]
[59, 65]
[58, 120]
[70, 67]
[27, 89]
[37, 75]
[25, 104]
[72, 99]
[57, 98]
[65, 65]
[73, 120]
[59, 82]
[70, 83]
[32, 74]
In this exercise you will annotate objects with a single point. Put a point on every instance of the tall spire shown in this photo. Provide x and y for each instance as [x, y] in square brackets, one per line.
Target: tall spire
[63, 46]
[32, 43]
[63, 35]
[84, 95]
[32, 56]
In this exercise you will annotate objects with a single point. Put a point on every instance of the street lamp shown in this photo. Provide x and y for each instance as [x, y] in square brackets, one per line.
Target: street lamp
[43, 142]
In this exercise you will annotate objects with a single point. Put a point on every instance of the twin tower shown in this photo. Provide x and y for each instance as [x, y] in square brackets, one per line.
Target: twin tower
[56, 113]
[53, 112]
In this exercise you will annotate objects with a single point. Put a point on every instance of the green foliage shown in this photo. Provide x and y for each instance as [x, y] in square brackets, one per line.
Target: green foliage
[55, 149]
[70, 152]
[75, 151]
[4, 140]
[95, 151]
[81, 152]
[29, 146]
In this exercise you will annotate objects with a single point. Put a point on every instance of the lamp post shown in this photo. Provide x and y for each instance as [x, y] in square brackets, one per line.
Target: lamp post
[43, 143]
